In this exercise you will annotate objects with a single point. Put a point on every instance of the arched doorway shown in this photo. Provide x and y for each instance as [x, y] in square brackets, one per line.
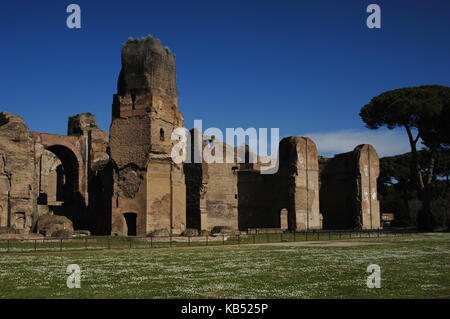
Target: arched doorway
[59, 186]
[58, 176]
[70, 166]
[130, 223]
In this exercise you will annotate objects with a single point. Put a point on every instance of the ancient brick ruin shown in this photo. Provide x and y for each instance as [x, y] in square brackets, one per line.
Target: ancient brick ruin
[128, 184]
[149, 189]
[348, 192]
[43, 172]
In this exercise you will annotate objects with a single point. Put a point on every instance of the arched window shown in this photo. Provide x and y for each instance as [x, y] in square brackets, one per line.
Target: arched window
[161, 134]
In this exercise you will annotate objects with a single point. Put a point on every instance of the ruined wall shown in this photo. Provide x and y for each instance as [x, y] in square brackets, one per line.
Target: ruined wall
[261, 198]
[85, 124]
[293, 188]
[130, 185]
[72, 151]
[299, 172]
[212, 194]
[237, 195]
[71, 162]
[147, 184]
[96, 217]
[17, 174]
[348, 192]
[51, 179]
[42, 173]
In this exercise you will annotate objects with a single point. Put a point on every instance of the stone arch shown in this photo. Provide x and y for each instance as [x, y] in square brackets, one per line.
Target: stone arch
[70, 170]
[69, 151]
[51, 179]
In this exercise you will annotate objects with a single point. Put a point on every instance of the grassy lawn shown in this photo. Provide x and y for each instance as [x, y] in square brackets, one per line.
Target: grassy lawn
[412, 266]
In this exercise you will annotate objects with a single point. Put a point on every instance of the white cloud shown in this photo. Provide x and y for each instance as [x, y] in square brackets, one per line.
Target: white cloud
[386, 142]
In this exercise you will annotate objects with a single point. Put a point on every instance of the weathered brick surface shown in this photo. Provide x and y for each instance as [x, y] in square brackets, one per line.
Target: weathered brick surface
[72, 151]
[348, 192]
[145, 113]
[17, 174]
[211, 187]
[293, 190]
[299, 165]
[40, 170]
[237, 195]
[50, 170]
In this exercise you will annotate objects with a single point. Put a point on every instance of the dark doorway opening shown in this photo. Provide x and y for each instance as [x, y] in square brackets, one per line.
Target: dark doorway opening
[65, 175]
[59, 185]
[130, 219]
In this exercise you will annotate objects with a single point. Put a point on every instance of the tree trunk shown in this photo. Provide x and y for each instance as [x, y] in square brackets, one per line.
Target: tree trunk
[406, 201]
[424, 218]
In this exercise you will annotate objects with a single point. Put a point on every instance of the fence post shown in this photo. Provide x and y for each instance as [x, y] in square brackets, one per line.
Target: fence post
[60, 245]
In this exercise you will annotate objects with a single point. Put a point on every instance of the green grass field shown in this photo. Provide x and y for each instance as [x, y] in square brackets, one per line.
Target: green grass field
[412, 266]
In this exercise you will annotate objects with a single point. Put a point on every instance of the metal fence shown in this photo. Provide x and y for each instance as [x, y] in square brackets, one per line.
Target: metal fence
[116, 242]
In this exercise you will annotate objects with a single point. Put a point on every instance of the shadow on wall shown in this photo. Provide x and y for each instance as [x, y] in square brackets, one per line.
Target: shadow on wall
[130, 223]
[260, 200]
[59, 190]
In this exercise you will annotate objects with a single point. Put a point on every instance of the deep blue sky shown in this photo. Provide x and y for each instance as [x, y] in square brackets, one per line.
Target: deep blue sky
[306, 67]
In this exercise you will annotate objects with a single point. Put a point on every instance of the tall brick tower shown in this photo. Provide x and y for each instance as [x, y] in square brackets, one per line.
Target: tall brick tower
[149, 188]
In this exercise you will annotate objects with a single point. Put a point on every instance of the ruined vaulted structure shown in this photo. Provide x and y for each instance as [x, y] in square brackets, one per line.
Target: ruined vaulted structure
[128, 183]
